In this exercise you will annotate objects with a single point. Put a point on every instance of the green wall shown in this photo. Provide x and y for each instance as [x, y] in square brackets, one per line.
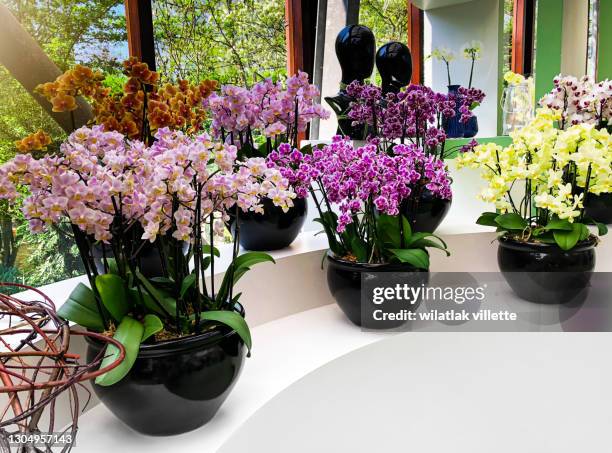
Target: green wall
[549, 24]
[604, 41]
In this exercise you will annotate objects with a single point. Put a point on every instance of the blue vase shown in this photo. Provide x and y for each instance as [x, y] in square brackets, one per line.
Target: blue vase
[452, 126]
[470, 129]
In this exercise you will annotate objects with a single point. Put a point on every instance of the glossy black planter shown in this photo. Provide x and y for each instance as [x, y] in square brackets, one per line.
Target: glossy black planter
[453, 127]
[175, 386]
[274, 229]
[599, 207]
[149, 261]
[427, 213]
[470, 129]
[344, 281]
[544, 273]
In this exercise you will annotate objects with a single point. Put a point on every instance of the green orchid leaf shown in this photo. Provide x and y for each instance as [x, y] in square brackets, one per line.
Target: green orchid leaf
[112, 291]
[511, 221]
[223, 292]
[129, 334]
[425, 243]
[406, 229]
[488, 219]
[329, 221]
[584, 232]
[152, 325]
[388, 230]
[188, 282]
[306, 149]
[547, 238]
[207, 249]
[81, 308]
[350, 233]
[359, 249]
[240, 266]
[153, 292]
[206, 262]
[249, 259]
[567, 240]
[416, 257]
[232, 320]
[162, 280]
[418, 236]
[112, 266]
[143, 298]
[602, 229]
[558, 224]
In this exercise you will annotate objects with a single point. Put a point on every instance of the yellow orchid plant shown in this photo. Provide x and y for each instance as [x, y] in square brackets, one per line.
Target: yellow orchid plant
[554, 171]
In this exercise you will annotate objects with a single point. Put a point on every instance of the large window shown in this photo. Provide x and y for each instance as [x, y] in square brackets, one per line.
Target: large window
[235, 41]
[592, 38]
[69, 31]
[388, 19]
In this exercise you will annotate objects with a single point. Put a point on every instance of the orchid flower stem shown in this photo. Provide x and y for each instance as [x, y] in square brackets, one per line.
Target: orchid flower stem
[471, 72]
[212, 259]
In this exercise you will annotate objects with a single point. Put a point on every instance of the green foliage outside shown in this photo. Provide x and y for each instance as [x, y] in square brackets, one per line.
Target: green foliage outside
[238, 41]
[508, 24]
[388, 19]
[235, 41]
[69, 31]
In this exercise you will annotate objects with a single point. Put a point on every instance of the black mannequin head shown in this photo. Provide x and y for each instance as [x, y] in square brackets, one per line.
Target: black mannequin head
[355, 48]
[394, 65]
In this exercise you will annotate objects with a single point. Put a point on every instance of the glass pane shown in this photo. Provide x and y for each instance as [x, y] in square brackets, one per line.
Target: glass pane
[592, 38]
[388, 20]
[508, 28]
[69, 31]
[238, 42]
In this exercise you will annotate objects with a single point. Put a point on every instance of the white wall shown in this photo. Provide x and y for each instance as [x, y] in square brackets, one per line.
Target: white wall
[336, 21]
[451, 27]
[575, 33]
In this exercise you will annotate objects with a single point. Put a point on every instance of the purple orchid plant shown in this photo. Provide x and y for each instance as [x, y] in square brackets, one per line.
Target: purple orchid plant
[360, 193]
[366, 195]
[259, 119]
[415, 115]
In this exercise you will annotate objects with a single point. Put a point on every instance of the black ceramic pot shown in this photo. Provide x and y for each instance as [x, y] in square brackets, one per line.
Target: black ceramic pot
[427, 213]
[175, 386]
[149, 260]
[344, 281]
[599, 207]
[453, 127]
[470, 129]
[546, 274]
[274, 229]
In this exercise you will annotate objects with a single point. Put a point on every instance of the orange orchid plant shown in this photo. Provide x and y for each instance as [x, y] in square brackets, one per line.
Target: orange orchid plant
[143, 107]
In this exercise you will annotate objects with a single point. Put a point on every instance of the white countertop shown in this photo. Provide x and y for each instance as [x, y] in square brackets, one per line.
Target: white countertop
[284, 351]
[436, 393]
[312, 357]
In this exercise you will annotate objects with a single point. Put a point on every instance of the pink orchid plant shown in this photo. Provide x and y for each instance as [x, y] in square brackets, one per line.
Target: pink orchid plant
[123, 196]
[258, 120]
